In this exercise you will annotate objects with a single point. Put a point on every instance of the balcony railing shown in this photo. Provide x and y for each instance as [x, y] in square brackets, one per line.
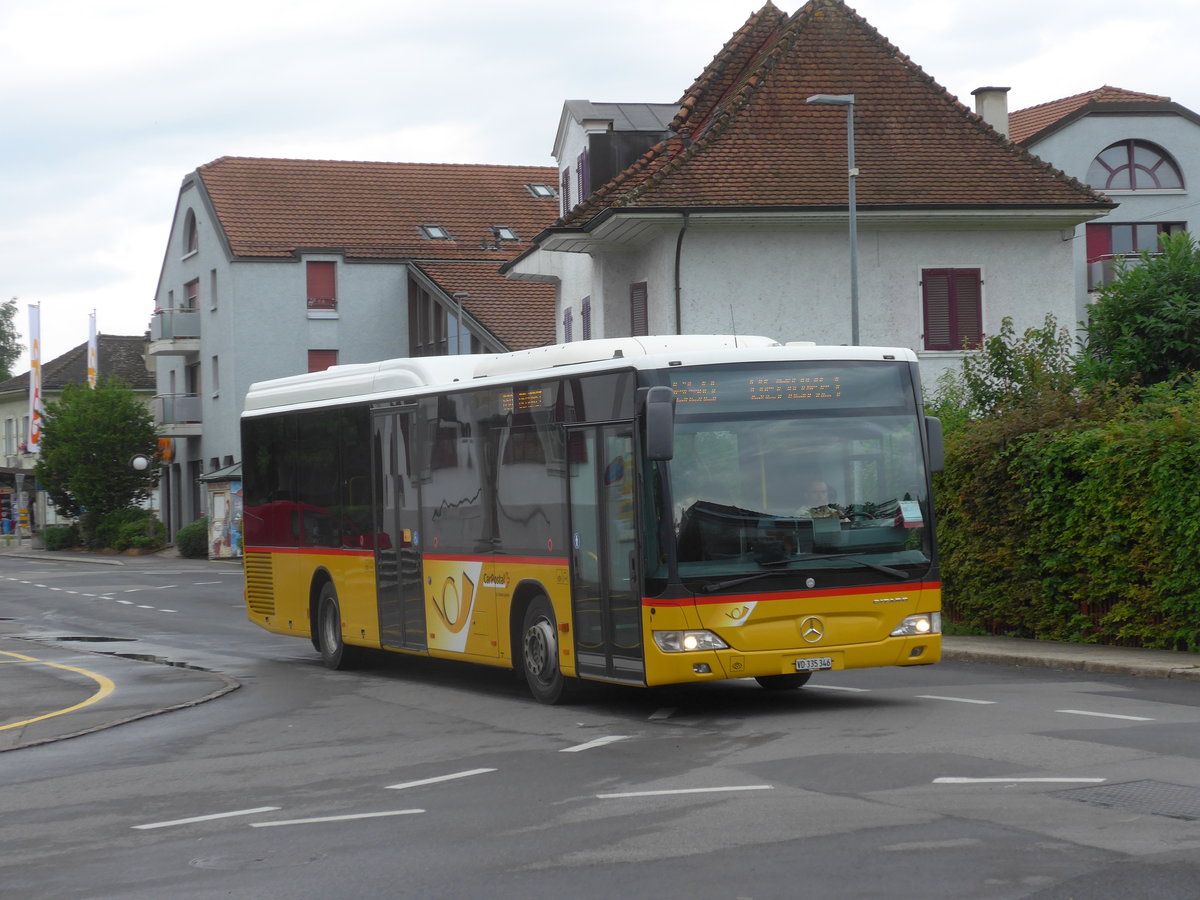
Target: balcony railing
[174, 324]
[177, 409]
[1104, 270]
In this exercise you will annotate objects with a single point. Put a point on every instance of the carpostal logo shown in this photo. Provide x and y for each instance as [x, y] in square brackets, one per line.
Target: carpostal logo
[497, 580]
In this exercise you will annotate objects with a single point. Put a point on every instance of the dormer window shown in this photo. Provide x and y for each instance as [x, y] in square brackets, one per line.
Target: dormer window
[1134, 166]
[435, 232]
[504, 233]
[541, 191]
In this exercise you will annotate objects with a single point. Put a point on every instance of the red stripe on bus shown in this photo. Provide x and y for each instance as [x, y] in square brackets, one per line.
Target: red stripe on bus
[312, 551]
[790, 595]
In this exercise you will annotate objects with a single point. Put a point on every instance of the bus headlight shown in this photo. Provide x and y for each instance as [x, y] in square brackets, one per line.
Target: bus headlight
[922, 623]
[687, 641]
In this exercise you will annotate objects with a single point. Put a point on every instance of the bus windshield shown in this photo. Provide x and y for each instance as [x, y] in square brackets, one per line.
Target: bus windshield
[823, 481]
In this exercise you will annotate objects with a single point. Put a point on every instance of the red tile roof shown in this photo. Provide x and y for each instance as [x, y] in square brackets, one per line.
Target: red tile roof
[275, 208]
[520, 314]
[747, 138]
[1025, 123]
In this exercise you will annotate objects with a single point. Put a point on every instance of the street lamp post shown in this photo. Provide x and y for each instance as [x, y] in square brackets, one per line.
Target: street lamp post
[847, 100]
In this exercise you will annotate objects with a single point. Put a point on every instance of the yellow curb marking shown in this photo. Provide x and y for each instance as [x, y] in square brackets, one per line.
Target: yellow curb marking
[106, 688]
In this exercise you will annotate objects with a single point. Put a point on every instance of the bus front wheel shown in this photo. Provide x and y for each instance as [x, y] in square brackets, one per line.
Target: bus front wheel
[334, 652]
[784, 682]
[539, 645]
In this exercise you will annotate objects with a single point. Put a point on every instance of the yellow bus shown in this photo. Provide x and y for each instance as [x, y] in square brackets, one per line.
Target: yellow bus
[643, 511]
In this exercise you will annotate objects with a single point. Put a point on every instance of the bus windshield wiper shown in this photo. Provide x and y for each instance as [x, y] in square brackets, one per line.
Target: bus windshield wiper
[784, 564]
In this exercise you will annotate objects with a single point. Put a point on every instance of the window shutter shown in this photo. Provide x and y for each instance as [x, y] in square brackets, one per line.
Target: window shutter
[1099, 242]
[586, 316]
[935, 292]
[322, 289]
[567, 317]
[953, 308]
[320, 360]
[585, 176]
[566, 191]
[637, 309]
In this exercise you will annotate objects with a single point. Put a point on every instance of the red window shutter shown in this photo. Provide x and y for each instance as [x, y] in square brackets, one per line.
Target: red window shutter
[320, 360]
[953, 309]
[322, 285]
[1099, 242]
[638, 324]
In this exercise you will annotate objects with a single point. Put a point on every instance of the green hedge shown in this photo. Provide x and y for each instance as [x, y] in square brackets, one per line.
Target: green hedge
[1077, 521]
[60, 537]
[192, 540]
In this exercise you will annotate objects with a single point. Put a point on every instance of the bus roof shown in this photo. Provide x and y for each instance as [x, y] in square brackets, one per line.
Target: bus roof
[399, 377]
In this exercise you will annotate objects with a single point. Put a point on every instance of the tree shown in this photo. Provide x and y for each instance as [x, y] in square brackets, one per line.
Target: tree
[88, 439]
[10, 346]
[1145, 324]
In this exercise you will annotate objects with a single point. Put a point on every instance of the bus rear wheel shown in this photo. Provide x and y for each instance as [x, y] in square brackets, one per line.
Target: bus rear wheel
[784, 682]
[539, 652]
[334, 652]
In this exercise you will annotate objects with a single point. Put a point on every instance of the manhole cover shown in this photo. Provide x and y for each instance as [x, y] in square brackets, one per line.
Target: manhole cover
[1159, 798]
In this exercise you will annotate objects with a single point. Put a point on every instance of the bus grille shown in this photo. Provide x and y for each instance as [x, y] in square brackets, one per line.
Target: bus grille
[260, 584]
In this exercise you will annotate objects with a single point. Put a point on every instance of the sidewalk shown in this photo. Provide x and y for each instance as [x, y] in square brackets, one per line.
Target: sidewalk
[1082, 657]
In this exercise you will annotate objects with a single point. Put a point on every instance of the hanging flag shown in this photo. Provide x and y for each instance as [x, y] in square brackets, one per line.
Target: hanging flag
[35, 377]
[93, 353]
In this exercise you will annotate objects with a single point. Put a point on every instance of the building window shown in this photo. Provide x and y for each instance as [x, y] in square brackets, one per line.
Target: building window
[435, 232]
[191, 238]
[541, 191]
[322, 285]
[428, 324]
[1106, 244]
[504, 233]
[191, 294]
[568, 316]
[320, 360]
[953, 305]
[638, 318]
[1134, 166]
[215, 375]
[212, 289]
[585, 317]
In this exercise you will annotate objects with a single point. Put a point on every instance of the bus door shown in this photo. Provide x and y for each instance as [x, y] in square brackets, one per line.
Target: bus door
[605, 600]
[397, 530]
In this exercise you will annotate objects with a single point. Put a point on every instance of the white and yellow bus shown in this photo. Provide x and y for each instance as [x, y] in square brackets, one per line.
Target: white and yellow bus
[644, 511]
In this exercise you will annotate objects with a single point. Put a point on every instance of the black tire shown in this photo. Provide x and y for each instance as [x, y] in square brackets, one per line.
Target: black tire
[539, 653]
[783, 682]
[334, 652]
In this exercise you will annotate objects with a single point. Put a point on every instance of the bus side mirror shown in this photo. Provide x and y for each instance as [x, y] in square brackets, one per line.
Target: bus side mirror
[937, 447]
[660, 423]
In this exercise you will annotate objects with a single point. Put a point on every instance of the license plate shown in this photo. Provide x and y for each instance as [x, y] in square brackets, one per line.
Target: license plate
[814, 664]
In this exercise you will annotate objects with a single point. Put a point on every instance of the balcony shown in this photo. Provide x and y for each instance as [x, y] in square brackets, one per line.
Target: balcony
[178, 415]
[1103, 270]
[175, 332]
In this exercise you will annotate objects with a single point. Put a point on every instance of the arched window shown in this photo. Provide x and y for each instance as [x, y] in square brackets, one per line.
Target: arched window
[191, 240]
[1134, 166]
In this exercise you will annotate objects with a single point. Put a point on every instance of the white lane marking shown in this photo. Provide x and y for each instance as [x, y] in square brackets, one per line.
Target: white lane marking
[836, 687]
[122, 602]
[208, 818]
[144, 606]
[168, 610]
[709, 790]
[956, 699]
[55, 589]
[347, 818]
[950, 779]
[1100, 715]
[132, 590]
[598, 742]
[165, 587]
[207, 582]
[437, 779]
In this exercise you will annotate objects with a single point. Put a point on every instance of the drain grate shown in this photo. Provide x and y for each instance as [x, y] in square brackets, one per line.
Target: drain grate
[1159, 798]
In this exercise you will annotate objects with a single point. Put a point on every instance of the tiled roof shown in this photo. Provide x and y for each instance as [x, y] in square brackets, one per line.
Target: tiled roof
[120, 356]
[521, 314]
[747, 138]
[374, 210]
[1025, 123]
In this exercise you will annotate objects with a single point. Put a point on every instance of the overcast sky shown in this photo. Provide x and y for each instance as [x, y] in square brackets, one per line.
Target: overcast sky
[107, 105]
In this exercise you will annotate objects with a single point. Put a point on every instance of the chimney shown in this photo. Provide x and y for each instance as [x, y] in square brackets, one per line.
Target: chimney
[991, 105]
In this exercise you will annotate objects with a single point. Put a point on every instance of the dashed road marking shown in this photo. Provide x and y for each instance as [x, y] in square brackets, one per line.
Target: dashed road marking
[598, 742]
[957, 699]
[1101, 715]
[667, 793]
[950, 779]
[345, 818]
[437, 779]
[211, 817]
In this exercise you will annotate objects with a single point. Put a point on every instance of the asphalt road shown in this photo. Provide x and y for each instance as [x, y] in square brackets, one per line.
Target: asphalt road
[1053, 775]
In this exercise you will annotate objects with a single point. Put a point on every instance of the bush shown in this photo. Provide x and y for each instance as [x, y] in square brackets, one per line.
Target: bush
[126, 529]
[60, 537]
[192, 540]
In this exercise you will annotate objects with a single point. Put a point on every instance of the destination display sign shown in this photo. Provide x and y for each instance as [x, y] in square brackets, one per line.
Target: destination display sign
[798, 385]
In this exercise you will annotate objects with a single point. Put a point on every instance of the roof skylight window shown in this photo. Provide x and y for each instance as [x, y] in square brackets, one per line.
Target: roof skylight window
[504, 233]
[541, 191]
[435, 232]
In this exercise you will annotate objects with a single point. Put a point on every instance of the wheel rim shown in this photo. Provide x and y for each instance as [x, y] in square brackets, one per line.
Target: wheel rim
[541, 651]
[330, 631]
